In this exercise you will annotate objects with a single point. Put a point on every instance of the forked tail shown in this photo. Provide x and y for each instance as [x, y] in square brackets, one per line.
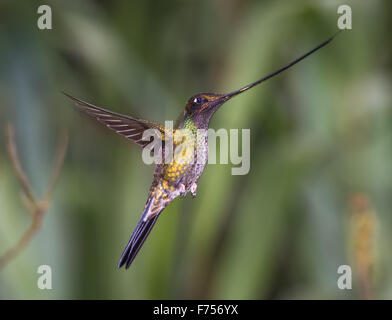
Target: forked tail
[140, 234]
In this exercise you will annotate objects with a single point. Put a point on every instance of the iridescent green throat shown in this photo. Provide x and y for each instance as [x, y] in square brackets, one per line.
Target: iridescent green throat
[189, 124]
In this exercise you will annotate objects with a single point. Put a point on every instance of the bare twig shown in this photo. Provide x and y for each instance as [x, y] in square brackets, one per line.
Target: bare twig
[23, 241]
[14, 157]
[60, 155]
[36, 207]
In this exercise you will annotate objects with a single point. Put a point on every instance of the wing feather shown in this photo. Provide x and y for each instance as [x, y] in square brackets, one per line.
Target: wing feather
[129, 127]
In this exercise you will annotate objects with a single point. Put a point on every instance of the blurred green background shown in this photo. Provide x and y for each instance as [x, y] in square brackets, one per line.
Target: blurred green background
[320, 136]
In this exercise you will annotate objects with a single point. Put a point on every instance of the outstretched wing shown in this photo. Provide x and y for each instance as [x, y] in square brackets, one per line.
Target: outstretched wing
[129, 127]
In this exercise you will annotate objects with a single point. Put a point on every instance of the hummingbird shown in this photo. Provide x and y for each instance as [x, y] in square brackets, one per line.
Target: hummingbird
[179, 176]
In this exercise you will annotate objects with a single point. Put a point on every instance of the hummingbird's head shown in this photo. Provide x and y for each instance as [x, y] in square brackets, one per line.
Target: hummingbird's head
[202, 106]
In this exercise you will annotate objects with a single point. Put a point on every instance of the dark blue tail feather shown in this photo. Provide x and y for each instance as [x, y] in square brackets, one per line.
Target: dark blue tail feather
[137, 239]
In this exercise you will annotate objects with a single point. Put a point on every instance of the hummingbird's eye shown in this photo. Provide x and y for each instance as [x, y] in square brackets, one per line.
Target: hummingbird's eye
[199, 100]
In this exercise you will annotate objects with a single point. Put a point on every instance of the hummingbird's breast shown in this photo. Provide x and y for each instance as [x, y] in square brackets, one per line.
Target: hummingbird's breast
[196, 169]
[189, 158]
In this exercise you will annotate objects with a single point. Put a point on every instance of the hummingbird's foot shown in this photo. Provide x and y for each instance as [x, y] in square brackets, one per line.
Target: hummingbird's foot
[193, 189]
[182, 190]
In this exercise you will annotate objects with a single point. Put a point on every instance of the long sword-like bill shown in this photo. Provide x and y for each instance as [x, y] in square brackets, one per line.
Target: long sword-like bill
[231, 94]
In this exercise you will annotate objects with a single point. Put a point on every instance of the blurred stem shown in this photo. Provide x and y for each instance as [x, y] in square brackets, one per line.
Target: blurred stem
[14, 158]
[24, 240]
[363, 235]
[35, 207]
